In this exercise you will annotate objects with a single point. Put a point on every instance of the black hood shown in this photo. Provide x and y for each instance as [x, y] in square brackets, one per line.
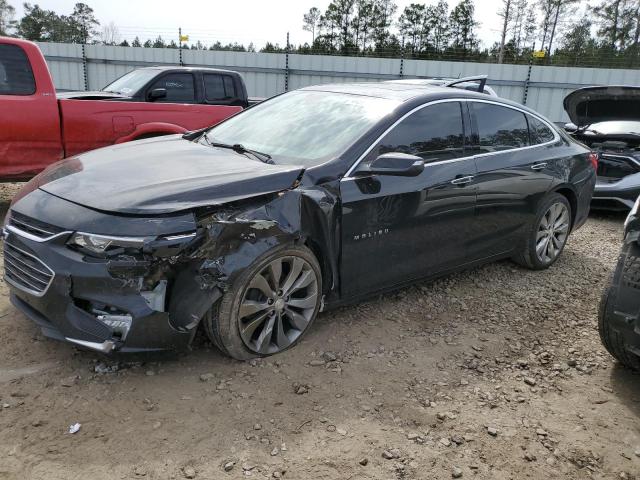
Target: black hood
[591, 105]
[162, 175]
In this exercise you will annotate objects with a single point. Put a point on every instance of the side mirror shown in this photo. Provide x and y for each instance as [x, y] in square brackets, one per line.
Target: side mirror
[396, 164]
[570, 127]
[157, 93]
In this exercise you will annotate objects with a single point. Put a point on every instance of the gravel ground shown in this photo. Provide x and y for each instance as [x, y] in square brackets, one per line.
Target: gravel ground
[495, 373]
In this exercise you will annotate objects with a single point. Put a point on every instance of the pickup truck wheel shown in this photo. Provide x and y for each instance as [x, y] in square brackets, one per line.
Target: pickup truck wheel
[547, 234]
[270, 306]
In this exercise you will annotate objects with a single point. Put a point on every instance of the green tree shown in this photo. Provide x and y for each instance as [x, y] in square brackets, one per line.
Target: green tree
[159, 42]
[311, 21]
[437, 24]
[40, 25]
[7, 14]
[412, 25]
[81, 24]
[383, 12]
[462, 25]
[136, 42]
[613, 22]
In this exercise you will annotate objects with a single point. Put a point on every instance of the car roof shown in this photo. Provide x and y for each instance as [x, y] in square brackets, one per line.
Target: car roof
[414, 94]
[397, 91]
[188, 69]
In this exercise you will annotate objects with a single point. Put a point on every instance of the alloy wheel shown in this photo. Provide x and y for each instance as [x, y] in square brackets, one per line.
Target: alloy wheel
[553, 231]
[278, 304]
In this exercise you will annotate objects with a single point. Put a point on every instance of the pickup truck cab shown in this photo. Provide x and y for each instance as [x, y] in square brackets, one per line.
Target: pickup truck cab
[40, 126]
[206, 86]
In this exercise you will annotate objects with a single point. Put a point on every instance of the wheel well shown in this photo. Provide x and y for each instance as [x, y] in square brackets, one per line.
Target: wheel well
[573, 201]
[325, 268]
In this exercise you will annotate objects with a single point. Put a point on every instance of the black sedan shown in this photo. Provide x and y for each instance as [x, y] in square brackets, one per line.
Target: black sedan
[619, 319]
[312, 199]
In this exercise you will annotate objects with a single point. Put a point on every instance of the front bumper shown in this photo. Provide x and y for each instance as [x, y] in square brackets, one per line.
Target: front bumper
[620, 195]
[60, 308]
[621, 304]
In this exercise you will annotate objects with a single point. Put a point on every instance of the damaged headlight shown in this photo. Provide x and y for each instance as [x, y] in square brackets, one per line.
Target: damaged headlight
[103, 244]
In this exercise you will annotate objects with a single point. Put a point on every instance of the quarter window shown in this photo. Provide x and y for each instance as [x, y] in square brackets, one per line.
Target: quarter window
[538, 131]
[16, 76]
[434, 133]
[219, 87]
[179, 86]
[500, 128]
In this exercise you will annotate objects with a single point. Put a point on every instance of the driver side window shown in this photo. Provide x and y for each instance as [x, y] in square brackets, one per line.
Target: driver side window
[433, 133]
[180, 88]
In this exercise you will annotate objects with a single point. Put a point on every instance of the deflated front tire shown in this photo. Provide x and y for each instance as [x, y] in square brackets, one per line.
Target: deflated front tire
[270, 305]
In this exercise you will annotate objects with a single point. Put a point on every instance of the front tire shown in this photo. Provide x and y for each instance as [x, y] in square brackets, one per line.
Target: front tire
[547, 235]
[270, 305]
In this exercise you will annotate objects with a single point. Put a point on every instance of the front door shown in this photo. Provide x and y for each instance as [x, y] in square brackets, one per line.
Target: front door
[397, 229]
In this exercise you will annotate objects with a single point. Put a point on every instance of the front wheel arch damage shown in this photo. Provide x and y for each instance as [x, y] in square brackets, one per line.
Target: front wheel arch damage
[233, 237]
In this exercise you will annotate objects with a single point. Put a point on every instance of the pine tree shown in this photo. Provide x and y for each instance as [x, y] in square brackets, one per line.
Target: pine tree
[311, 21]
[7, 13]
[412, 25]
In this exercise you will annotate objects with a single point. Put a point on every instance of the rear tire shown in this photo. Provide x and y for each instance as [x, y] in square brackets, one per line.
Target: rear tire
[547, 235]
[270, 305]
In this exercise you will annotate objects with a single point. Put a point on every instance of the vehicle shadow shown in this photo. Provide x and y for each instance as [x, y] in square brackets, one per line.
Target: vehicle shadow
[626, 387]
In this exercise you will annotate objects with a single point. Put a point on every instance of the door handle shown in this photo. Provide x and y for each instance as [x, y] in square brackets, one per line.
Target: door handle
[539, 166]
[462, 180]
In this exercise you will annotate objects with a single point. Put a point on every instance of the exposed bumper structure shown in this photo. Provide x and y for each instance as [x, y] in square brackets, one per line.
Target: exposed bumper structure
[69, 304]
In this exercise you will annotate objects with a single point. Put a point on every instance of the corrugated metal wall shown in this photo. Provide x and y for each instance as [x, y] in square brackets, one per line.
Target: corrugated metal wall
[266, 74]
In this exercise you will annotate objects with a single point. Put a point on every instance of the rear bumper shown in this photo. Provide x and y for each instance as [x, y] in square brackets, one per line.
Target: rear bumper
[620, 195]
[61, 312]
[621, 304]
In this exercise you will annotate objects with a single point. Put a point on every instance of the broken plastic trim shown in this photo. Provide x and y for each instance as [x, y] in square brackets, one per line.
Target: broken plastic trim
[105, 347]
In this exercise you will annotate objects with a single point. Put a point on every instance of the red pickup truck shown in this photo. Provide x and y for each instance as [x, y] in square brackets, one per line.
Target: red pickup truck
[39, 127]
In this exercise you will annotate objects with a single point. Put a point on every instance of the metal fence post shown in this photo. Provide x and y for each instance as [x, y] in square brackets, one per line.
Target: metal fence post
[84, 68]
[402, 59]
[528, 80]
[180, 47]
[286, 66]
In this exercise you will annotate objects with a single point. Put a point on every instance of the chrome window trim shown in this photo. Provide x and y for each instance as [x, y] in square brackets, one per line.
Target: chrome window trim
[556, 135]
[29, 236]
[35, 293]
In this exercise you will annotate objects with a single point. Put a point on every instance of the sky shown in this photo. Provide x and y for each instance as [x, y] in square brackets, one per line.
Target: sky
[241, 21]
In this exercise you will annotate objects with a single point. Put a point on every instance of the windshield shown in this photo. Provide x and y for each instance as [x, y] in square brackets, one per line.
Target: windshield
[303, 127]
[131, 82]
[616, 127]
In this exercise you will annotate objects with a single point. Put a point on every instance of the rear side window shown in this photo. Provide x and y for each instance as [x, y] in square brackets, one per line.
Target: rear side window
[219, 87]
[16, 76]
[500, 128]
[538, 131]
[434, 133]
[179, 86]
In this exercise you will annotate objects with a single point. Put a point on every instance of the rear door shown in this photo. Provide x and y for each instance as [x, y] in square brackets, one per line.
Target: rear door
[515, 170]
[397, 229]
[29, 120]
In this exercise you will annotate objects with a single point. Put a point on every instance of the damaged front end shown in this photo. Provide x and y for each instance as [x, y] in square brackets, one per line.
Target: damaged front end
[147, 291]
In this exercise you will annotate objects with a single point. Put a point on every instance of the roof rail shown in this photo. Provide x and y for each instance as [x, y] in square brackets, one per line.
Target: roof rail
[482, 79]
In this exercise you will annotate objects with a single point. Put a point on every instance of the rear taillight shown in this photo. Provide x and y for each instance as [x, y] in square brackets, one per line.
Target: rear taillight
[593, 158]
